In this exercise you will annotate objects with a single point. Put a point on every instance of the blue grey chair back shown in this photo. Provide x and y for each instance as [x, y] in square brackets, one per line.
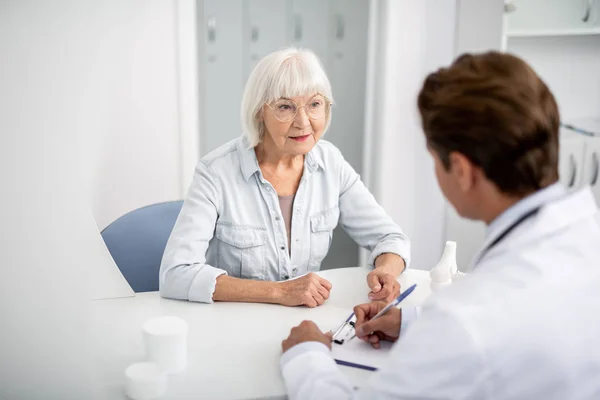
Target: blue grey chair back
[137, 240]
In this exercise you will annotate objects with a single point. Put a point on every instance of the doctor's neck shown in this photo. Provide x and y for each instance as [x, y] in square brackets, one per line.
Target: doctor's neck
[494, 203]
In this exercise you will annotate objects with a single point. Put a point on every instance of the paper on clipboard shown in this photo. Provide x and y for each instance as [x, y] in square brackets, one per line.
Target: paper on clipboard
[359, 354]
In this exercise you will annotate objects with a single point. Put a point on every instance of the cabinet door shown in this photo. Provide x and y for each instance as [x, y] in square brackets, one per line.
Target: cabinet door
[552, 14]
[347, 37]
[266, 29]
[309, 27]
[223, 75]
[591, 166]
[570, 162]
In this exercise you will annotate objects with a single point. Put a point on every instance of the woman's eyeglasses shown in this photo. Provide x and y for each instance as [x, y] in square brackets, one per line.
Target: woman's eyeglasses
[285, 110]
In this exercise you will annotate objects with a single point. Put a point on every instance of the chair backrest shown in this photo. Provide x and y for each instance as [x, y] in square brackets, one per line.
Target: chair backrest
[136, 241]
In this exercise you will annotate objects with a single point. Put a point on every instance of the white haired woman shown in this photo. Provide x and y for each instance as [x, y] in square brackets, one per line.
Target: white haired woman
[262, 208]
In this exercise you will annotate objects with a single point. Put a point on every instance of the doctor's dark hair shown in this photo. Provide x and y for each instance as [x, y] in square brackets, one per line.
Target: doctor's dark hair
[496, 111]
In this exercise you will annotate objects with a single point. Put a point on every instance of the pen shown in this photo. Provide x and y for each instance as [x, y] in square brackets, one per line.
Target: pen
[394, 303]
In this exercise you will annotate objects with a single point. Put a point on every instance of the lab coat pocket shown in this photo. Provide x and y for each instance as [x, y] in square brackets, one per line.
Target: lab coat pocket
[242, 250]
[321, 232]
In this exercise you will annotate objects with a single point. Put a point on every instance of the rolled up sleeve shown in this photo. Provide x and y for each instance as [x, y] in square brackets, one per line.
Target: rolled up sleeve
[366, 221]
[184, 274]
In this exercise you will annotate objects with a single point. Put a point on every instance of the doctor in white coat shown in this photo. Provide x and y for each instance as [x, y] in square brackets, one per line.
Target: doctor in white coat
[526, 323]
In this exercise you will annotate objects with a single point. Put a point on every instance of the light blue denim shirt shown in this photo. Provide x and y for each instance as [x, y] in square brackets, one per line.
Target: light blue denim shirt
[231, 222]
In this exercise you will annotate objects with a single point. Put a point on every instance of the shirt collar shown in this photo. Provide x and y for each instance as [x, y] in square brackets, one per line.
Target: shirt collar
[249, 163]
[514, 212]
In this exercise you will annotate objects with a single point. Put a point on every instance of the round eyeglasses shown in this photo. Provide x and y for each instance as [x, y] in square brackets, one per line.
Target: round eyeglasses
[285, 110]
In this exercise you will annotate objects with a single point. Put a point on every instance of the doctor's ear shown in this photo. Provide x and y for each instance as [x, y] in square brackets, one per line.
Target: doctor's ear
[463, 170]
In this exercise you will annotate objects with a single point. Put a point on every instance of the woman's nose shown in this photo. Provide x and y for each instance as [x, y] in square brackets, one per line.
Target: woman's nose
[301, 119]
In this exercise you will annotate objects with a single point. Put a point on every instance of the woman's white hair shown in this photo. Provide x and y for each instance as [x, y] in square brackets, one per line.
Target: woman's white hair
[285, 73]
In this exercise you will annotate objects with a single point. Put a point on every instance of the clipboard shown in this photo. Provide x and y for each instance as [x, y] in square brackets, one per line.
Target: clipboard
[361, 355]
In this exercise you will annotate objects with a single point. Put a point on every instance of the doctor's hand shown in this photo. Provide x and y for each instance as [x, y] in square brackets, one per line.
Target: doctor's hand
[384, 285]
[309, 290]
[386, 327]
[307, 331]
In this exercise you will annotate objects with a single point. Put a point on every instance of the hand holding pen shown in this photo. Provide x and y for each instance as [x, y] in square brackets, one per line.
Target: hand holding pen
[379, 321]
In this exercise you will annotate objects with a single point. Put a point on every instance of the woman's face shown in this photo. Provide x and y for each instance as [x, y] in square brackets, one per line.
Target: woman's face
[294, 125]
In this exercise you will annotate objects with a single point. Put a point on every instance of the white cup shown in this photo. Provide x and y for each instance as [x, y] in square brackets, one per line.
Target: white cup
[145, 381]
[166, 343]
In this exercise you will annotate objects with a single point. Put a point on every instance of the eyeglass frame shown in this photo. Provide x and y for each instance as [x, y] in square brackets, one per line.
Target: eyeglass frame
[327, 101]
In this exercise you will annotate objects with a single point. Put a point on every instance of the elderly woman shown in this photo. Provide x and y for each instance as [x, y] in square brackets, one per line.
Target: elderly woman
[260, 213]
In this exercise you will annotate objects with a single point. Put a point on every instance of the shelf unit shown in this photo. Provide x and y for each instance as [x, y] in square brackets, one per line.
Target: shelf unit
[530, 33]
[560, 39]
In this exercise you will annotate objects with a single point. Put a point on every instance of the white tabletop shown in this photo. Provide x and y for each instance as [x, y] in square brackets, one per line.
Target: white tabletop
[233, 348]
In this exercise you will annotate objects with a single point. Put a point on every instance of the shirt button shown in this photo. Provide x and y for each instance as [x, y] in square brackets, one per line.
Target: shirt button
[277, 218]
[282, 247]
[286, 277]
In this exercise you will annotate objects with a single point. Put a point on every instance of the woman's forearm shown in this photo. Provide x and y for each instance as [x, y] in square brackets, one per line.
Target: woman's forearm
[391, 263]
[246, 290]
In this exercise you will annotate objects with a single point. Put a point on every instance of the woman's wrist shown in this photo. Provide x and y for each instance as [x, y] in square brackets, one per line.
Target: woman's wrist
[390, 263]
[275, 292]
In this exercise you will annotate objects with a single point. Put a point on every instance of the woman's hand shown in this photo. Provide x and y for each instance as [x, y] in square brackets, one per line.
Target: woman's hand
[309, 290]
[383, 279]
[383, 285]
[386, 327]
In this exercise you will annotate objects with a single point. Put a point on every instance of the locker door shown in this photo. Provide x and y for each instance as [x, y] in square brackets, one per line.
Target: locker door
[348, 24]
[266, 29]
[552, 15]
[570, 160]
[223, 74]
[347, 72]
[309, 27]
[591, 166]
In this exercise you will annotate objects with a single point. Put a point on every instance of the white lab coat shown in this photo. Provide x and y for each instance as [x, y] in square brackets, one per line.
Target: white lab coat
[524, 325]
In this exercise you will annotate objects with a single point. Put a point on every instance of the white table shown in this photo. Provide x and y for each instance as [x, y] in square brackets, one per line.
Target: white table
[233, 348]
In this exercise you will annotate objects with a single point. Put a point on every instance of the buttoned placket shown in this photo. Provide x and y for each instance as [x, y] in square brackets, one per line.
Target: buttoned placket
[278, 224]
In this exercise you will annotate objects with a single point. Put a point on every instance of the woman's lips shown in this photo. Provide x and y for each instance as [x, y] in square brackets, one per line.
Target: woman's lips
[300, 138]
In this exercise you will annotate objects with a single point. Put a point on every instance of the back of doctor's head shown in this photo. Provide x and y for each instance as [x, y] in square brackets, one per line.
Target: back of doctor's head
[495, 110]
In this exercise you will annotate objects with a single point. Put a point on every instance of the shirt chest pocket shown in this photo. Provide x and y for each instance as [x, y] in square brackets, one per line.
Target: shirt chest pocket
[321, 234]
[242, 250]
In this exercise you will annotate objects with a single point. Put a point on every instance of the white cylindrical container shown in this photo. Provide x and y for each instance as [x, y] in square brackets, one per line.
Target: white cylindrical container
[446, 268]
[166, 343]
[145, 381]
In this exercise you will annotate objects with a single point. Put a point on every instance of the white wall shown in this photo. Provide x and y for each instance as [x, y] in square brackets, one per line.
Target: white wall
[408, 39]
[56, 90]
[132, 153]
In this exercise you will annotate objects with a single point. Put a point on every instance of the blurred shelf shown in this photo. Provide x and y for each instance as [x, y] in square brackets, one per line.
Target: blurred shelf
[516, 33]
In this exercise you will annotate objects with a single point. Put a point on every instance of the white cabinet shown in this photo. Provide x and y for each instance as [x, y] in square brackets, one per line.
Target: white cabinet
[570, 164]
[222, 78]
[310, 27]
[549, 17]
[591, 166]
[266, 29]
[347, 70]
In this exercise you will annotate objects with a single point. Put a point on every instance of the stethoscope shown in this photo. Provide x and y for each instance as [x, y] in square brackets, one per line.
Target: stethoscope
[505, 233]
